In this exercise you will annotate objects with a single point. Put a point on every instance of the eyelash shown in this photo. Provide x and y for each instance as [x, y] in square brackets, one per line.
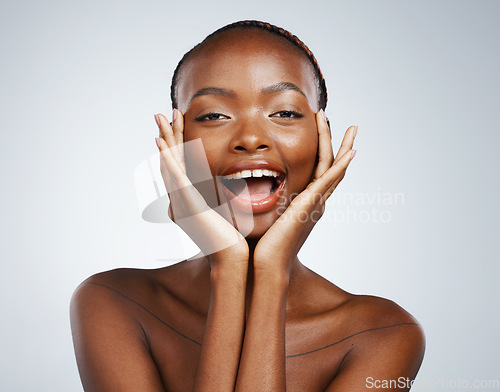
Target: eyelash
[206, 117]
[289, 114]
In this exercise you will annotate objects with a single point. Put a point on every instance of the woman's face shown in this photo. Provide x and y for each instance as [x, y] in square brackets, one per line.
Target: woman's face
[251, 98]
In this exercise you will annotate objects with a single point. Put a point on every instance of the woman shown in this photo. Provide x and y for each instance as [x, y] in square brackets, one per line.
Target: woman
[244, 314]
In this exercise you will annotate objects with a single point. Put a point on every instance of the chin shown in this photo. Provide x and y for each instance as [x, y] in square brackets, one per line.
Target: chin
[259, 229]
[251, 225]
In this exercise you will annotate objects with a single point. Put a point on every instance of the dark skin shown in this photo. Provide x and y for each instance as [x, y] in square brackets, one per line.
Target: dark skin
[218, 322]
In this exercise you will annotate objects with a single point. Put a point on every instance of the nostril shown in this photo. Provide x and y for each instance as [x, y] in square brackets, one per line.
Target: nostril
[251, 148]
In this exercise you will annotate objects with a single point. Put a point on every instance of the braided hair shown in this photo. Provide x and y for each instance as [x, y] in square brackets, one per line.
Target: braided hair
[255, 24]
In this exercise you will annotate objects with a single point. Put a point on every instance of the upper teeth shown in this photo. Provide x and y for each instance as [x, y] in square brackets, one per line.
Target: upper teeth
[251, 173]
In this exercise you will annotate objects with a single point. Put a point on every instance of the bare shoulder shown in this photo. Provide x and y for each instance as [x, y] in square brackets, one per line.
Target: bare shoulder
[373, 309]
[370, 313]
[381, 328]
[118, 291]
[351, 320]
[355, 314]
[111, 341]
[129, 291]
[105, 287]
[105, 298]
[382, 341]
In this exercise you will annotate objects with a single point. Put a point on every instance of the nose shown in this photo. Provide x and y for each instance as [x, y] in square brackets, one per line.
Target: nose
[250, 136]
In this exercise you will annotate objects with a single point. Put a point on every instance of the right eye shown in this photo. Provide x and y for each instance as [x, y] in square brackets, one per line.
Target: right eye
[212, 117]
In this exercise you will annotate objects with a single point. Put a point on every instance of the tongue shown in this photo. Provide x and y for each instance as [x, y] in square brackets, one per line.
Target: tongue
[257, 188]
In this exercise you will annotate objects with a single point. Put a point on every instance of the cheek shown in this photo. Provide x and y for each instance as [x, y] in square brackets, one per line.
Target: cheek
[199, 152]
[195, 156]
[301, 150]
[200, 162]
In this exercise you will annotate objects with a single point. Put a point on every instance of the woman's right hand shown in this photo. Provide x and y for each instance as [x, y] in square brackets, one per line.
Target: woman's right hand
[215, 236]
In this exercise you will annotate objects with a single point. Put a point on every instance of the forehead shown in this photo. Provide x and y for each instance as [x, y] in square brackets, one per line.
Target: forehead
[245, 61]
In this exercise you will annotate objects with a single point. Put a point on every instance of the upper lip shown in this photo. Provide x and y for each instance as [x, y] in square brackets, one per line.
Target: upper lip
[251, 165]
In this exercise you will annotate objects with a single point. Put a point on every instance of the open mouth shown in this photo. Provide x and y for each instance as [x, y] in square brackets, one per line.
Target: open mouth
[258, 187]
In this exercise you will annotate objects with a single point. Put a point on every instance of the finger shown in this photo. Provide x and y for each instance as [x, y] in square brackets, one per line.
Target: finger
[171, 212]
[167, 180]
[178, 129]
[165, 129]
[325, 151]
[347, 141]
[175, 207]
[169, 184]
[330, 190]
[172, 166]
[182, 193]
[167, 134]
[323, 184]
[178, 125]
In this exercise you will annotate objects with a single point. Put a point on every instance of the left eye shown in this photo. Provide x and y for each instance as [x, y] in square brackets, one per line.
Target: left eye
[287, 114]
[212, 117]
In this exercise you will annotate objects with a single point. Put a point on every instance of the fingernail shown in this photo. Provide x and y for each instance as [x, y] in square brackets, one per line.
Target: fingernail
[174, 114]
[157, 120]
[355, 131]
[157, 142]
[323, 114]
[353, 153]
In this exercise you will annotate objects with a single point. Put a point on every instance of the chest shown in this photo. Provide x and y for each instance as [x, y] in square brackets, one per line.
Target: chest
[313, 355]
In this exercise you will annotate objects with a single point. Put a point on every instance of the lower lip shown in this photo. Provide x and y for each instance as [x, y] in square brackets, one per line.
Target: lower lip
[257, 206]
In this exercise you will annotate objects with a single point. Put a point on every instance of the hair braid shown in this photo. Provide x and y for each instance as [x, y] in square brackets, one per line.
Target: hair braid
[255, 24]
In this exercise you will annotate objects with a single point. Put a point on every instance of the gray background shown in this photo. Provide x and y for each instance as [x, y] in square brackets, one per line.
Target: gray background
[80, 82]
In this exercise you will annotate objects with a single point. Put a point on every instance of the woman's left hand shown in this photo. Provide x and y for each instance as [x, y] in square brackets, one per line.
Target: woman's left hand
[294, 225]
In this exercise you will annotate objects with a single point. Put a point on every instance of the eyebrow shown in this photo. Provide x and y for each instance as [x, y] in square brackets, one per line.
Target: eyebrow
[274, 88]
[283, 86]
[213, 91]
